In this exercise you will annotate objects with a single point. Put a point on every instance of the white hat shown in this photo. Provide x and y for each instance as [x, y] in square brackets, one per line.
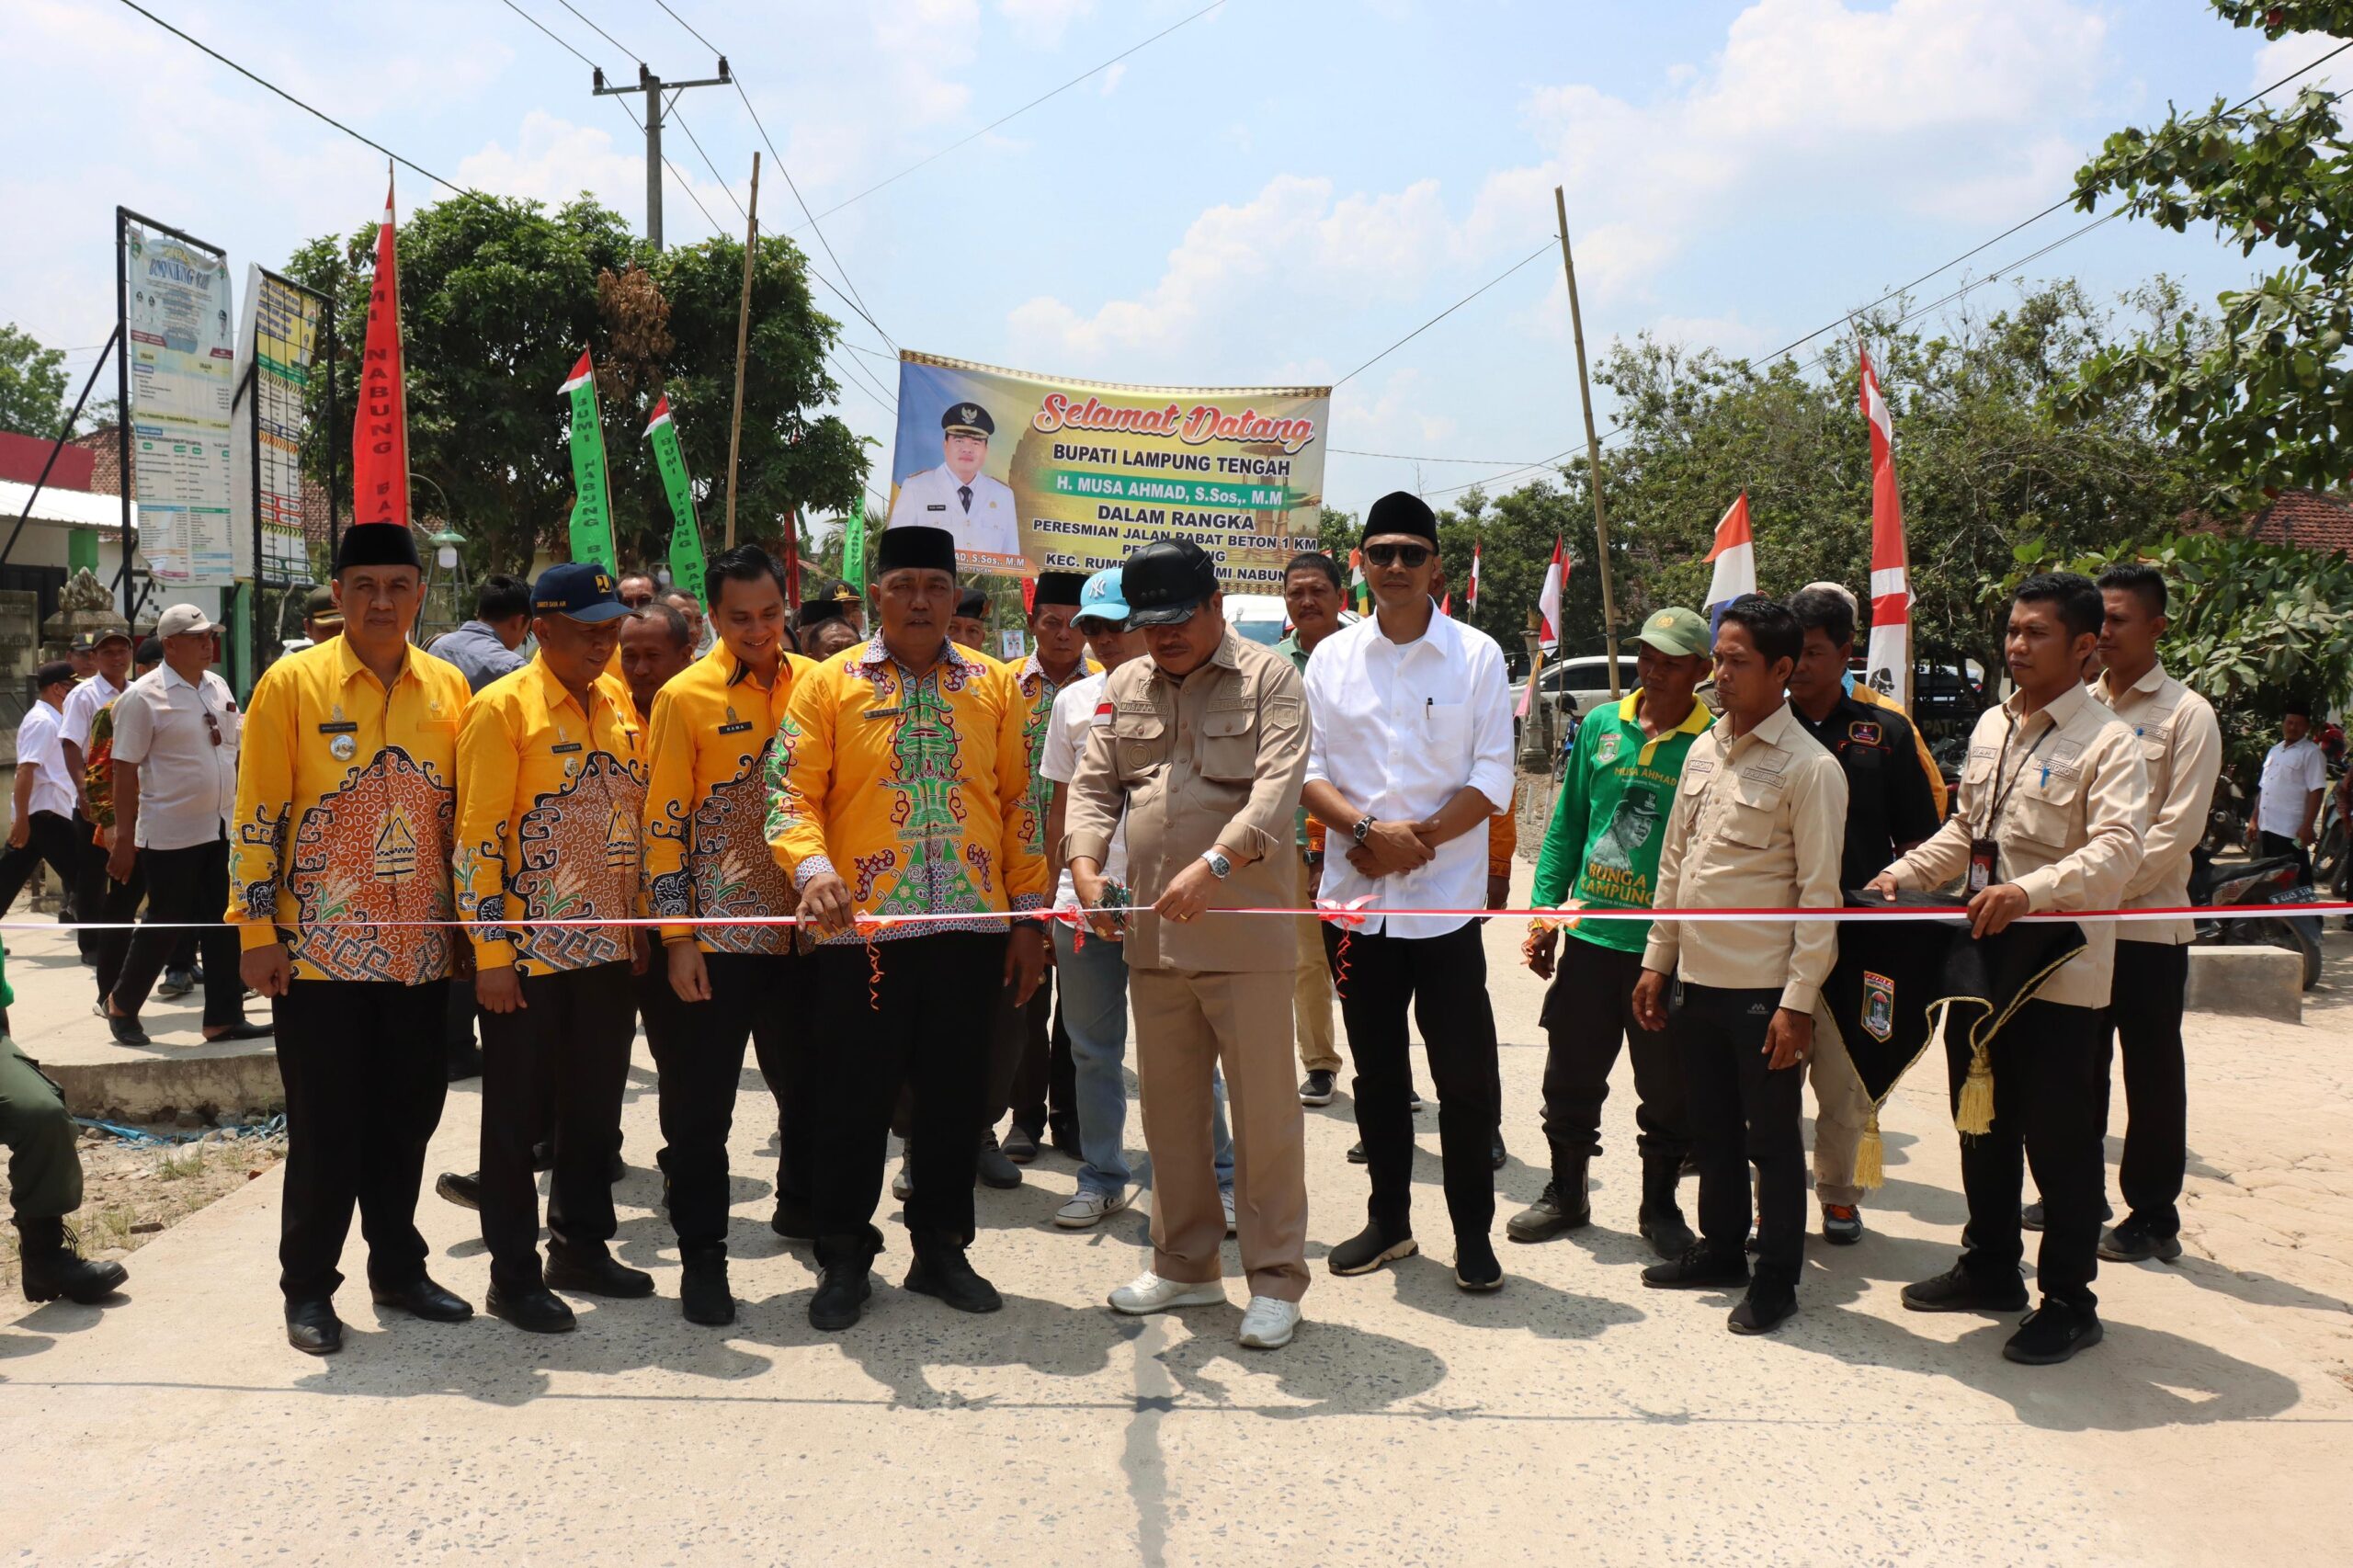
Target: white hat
[1840, 589]
[180, 620]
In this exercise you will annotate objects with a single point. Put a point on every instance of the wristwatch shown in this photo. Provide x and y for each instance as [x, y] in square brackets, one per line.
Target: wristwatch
[1363, 829]
[1220, 867]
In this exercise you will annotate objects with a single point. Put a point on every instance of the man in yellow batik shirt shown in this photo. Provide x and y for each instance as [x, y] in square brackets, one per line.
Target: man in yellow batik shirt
[338, 865]
[896, 788]
[707, 854]
[550, 793]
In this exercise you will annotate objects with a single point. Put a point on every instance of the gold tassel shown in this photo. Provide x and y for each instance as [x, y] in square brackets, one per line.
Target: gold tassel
[1870, 1156]
[1975, 1117]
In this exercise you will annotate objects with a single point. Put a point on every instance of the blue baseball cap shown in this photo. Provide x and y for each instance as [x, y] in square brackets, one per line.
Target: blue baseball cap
[581, 590]
[1101, 598]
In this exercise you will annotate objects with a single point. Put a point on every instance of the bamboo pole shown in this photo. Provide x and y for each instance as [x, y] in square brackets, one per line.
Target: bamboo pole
[1592, 449]
[742, 336]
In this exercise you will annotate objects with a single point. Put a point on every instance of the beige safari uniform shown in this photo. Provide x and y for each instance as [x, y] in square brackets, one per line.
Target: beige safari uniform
[2181, 749]
[1215, 758]
[2068, 832]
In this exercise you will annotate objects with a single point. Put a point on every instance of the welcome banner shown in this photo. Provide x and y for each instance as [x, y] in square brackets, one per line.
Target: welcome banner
[1032, 473]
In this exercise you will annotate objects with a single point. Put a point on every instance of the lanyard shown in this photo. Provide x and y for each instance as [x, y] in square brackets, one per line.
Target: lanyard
[2002, 791]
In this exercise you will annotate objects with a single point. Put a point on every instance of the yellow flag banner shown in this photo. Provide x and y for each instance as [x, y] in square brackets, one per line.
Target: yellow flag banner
[1032, 473]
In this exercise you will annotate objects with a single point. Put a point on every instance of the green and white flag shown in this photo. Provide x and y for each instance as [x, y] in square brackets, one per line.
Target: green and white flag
[854, 548]
[686, 533]
[592, 512]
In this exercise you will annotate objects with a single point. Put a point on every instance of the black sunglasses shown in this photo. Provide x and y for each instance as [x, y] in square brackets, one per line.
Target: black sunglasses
[1409, 555]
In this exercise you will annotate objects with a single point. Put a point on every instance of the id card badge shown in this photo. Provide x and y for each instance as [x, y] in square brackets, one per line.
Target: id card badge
[1981, 853]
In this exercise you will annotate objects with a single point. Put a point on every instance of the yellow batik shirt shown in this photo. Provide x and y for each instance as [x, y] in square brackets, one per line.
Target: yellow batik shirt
[346, 817]
[909, 787]
[706, 802]
[549, 803]
[1038, 690]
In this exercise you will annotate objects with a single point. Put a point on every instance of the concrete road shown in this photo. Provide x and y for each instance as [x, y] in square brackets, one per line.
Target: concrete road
[1574, 1416]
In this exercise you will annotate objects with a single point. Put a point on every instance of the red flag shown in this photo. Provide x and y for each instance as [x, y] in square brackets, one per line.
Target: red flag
[1446, 602]
[1890, 653]
[379, 431]
[1547, 599]
[1471, 598]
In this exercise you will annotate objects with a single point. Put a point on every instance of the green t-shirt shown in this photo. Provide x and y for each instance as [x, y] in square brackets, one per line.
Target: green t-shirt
[1610, 820]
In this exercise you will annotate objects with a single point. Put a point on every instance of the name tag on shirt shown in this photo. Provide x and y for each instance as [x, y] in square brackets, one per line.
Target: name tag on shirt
[340, 727]
[565, 746]
[740, 727]
[884, 713]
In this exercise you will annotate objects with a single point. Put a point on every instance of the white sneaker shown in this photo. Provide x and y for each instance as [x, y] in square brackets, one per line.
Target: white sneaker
[903, 1186]
[1148, 1292]
[1269, 1322]
[1089, 1208]
[1226, 1198]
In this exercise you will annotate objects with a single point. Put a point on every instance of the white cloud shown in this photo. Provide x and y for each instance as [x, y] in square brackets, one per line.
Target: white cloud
[1042, 22]
[922, 42]
[2292, 52]
[553, 160]
[1111, 76]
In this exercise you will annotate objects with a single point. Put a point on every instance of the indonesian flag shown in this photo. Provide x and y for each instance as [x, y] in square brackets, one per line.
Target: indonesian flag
[1889, 657]
[1547, 599]
[380, 430]
[1446, 602]
[1356, 589]
[1735, 558]
[1471, 595]
[583, 373]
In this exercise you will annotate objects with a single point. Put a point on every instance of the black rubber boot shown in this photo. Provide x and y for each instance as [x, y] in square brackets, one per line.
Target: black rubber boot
[943, 1272]
[844, 1283]
[54, 1267]
[1662, 1217]
[703, 1294]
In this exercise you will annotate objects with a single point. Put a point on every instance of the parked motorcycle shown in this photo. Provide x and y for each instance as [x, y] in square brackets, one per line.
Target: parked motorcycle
[2266, 880]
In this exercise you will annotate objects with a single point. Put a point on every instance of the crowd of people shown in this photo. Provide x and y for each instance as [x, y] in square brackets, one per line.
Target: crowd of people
[928, 890]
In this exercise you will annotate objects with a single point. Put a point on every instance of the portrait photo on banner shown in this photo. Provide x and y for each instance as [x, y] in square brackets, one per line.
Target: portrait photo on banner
[1033, 474]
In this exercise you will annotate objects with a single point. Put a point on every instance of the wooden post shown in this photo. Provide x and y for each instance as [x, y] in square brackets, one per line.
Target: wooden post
[743, 335]
[1592, 449]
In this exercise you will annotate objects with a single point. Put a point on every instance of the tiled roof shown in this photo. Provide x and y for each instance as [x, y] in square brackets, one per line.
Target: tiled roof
[22, 457]
[2309, 520]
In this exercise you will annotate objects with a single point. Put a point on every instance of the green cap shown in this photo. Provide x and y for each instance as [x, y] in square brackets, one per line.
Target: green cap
[1675, 632]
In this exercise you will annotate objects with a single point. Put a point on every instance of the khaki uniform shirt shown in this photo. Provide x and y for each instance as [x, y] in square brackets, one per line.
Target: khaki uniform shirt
[2068, 831]
[2181, 748]
[1759, 823]
[1216, 759]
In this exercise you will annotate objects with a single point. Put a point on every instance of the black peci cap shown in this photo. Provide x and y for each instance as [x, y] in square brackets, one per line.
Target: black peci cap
[377, 544]
[1165, 580]
[912, 545]
[1059, 589]
[972, 603]
[1400, 511]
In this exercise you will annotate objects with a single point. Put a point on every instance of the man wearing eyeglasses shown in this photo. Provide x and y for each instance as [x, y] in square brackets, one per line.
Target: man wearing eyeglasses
[174, 786]
[1410, 754]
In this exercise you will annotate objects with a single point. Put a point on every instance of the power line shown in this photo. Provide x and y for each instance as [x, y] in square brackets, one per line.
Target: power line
[713, 167]
[560, 43]
[298, 103]
[1421, 458]
[690, 27]
[1550, 242]
[627, 52]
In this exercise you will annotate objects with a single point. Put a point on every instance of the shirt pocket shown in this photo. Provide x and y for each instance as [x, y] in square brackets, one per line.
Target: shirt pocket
[1139, 743]
[2045, 806]
[1446, 731]
[1750, 811]
[1230, 745]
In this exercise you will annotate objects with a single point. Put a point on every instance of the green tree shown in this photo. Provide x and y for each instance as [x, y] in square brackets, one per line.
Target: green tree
[2259, 397]
[32, 384]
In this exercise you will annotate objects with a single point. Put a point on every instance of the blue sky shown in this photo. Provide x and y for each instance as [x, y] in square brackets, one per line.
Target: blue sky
[1270, 194]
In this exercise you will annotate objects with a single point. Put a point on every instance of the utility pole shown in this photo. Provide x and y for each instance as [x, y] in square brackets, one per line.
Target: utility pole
[653, 88]
[1592, 447]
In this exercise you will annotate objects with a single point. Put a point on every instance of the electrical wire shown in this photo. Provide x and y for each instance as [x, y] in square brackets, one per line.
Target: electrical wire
[627, 52]
[793, 186]
[1420, 457]
[1450, 310]
[560, 42]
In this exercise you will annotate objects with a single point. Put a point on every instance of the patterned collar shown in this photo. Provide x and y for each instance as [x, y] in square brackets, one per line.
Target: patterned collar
[874, 656]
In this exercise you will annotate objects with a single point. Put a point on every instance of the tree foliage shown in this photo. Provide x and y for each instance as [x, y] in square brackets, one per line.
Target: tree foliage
[2261, 396]
[498, 298]
[32, 384]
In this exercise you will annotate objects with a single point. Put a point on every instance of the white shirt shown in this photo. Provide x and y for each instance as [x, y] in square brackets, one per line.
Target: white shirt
[81, 705]
[2290, 774]
[1398, 730]
[37, 742]
[1066, 728]
[187, 786]
[988, 523]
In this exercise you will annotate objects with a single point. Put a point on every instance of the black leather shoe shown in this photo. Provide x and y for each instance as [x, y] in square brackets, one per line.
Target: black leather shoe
[600, 1274]
[126, 1030]
[1369, 1249]
[534, 1311]
[2053, 1333]
[944, 1274]
[703, 1295]
[1552, 1215]
[464, 1190]
[2031, 1217]
[543, 1156]
[1959, 1290]
[239, 1031]
[1357, 1155]
[423, 1298]
[2135, 1241]
[1061, 1132]
[794, 1219]
[1020, 1145]
[1697, 1270]
[312, 1328]
[1762, 1310]
[1475, 1265]
[617, 1170]
[51, 1265]
[992, 1168]
[843, 1290]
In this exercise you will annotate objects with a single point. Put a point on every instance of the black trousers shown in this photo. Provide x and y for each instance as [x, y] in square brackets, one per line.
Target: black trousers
[1444, 980]
[120, 908]
[573, 1032]
[1742, 1113]
[1588, 1012]
[185, 886]
[2282, 844]
[1045, 1082]
[91, 883]
[50, 838]
[2050, 1106]
[364, 1088]
[2152, 979]
[925, 1026]
[699, 1047]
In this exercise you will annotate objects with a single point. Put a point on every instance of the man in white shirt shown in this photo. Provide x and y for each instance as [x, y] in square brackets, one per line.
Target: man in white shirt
[41, 819]
[112, 652]
[1094, 970]
[175, 789]
[1409, 755]
[2295, 777]
[958, 496]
